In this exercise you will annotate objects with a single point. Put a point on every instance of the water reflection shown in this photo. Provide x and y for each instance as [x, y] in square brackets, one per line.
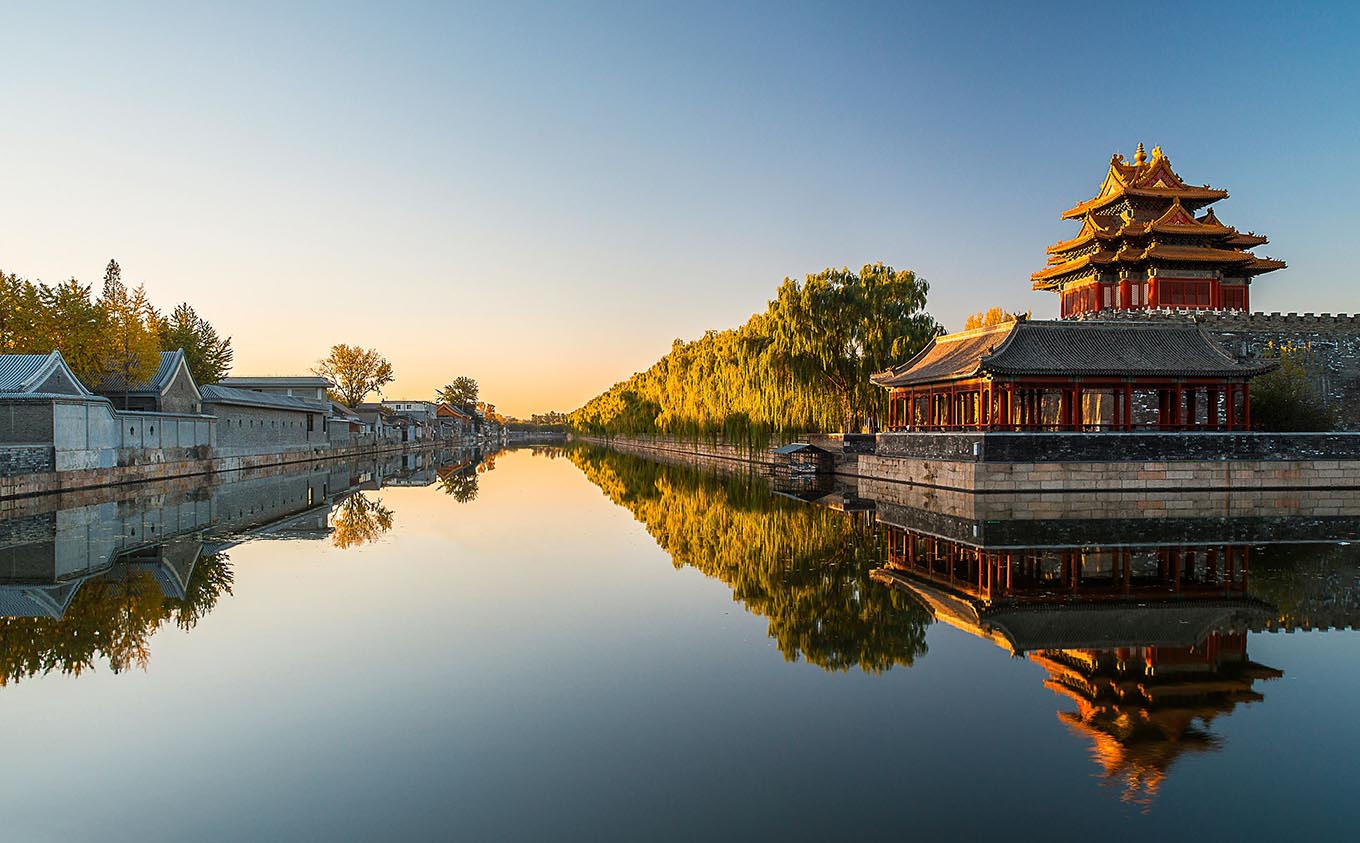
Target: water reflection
[1148, 643]
[1139, 618]
[804, 568]
[359, 519]
[91, 576]
[1139, 614]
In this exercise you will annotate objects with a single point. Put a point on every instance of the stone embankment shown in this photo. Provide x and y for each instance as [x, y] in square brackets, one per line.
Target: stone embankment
[1128, 464]
[48, 482]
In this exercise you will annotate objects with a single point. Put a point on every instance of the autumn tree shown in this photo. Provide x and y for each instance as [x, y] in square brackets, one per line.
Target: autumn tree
[131, 353]
[75, 324]
[992, 317]
[20, 314]
[462, 392]
[208, 355]
[354, 372]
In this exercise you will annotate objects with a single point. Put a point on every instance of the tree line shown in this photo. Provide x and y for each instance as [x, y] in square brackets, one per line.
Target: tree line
[801, 365]
[116, 336]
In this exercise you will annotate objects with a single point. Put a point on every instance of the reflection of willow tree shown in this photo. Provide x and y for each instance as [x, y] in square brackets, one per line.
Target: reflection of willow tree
[359, 520]
[805, 568]
[112, 616]
[460, 485]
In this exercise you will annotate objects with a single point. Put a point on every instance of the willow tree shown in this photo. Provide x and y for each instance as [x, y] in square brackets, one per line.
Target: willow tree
[841, 327]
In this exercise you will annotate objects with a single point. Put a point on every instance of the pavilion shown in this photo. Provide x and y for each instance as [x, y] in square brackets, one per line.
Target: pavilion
[1072, 376]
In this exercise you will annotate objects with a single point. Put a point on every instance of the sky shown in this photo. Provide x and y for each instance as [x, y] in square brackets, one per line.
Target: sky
[544, 196]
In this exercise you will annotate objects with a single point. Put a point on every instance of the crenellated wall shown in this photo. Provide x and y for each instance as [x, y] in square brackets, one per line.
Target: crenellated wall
[1333, 341]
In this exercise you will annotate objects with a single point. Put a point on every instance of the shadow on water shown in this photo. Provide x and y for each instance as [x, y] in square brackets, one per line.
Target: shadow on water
[90, 577]
[1141, 625]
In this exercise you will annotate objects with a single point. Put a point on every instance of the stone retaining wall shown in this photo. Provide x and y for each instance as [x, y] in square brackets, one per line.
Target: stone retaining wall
[65, 481]
[1120, 447]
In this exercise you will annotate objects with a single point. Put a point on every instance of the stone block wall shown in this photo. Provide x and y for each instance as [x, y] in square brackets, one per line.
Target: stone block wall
[24, 459]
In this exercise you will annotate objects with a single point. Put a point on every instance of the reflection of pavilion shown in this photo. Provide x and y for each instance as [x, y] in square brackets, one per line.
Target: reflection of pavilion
[1150, 643]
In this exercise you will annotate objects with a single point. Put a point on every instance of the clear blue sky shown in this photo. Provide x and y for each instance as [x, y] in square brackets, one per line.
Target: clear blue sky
[544, 196]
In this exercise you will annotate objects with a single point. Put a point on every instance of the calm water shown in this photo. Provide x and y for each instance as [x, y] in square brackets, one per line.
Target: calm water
[589, 645]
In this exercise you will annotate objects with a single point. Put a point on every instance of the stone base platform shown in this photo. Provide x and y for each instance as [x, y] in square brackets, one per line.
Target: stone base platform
[1116, 462]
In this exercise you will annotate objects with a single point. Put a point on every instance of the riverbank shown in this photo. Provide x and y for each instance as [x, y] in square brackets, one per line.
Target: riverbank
[1122, 463]
[53, 482]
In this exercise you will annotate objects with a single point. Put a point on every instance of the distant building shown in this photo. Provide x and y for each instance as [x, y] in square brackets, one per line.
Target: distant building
[310, 387]
[414, 409]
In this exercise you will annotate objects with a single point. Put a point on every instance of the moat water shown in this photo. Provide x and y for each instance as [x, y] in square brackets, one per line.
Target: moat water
[583, 645]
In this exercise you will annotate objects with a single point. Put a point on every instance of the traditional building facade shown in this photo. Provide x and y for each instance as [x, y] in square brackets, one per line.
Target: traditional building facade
[1143, 243]
[1077, 376]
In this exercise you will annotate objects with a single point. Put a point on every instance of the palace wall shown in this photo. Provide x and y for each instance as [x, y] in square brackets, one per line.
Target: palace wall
[1333, 342]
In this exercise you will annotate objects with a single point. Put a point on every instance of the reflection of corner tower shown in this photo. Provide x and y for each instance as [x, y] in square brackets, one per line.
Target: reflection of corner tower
[1143, 244]
[1150, 643]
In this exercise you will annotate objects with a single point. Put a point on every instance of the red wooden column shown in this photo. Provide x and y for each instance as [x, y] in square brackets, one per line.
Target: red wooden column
[1229, 406]
[1128, 406]
[1246, 407]
[1211, 411]
[1078, 417]
[1177, 410]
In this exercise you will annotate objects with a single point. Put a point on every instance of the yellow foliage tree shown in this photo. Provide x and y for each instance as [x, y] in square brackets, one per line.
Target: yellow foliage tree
[990, 318]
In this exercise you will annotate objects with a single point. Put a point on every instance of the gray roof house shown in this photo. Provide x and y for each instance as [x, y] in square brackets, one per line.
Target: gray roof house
[170, 390]
[38, 374]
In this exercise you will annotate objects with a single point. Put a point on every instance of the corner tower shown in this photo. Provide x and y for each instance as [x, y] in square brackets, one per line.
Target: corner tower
[1142, 245]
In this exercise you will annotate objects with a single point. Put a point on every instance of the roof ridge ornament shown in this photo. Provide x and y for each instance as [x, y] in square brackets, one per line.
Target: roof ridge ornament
[1140, 157]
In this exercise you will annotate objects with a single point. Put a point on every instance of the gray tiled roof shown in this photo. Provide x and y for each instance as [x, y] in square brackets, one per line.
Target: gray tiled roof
[165, 370]
[1070, 348]
[1114, 349]
[16, 369]
[218, 394]
[949, 357]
